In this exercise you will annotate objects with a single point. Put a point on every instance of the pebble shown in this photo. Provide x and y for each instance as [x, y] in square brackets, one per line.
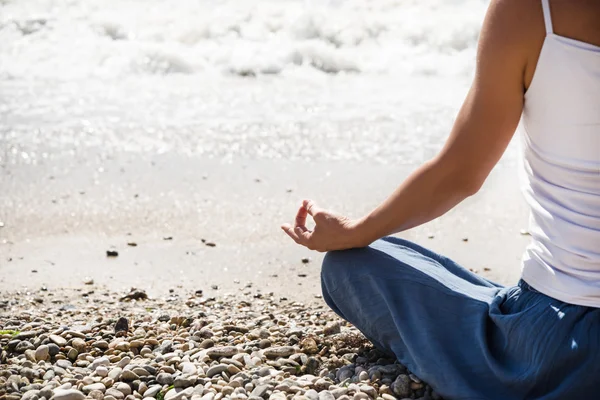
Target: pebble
[152, 391]
[129, 376]
[68, 394]
[401, 386]
[114, 392]
[218, 352]
[94, 386]
[276, 352]
[216, 369]
[326, 395]
[188, 368]
[58, 340]
[258, 348]
[113, 374]
[165, 379]
[42, 353]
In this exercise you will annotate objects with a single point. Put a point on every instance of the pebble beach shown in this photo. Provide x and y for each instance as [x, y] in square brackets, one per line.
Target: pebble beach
[97, 344]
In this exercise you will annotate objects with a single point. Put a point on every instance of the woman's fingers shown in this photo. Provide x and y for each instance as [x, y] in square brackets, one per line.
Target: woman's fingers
[287, 228]
[310, 207]
[301, 217]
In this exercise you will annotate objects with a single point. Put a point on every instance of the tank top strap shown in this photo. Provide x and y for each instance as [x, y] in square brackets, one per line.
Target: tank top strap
[547, 16]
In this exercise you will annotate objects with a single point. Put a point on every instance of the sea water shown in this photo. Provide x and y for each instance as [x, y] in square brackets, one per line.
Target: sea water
[341, 80]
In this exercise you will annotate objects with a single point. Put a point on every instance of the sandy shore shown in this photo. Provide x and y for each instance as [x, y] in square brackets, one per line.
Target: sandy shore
[60, 217]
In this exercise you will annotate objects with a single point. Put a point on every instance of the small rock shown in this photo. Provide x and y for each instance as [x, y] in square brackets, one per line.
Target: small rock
[58, 340]
[165, 379]
[152, 391]
[42, 353]
[260, 390]
[332, 328]
[31, 395]
[326, 395]
[401, 386]
[88, 280]
[276, 352]
[68, 394]
[218, 352]
[117, 394]
[129, 376]
[24, 345]
[216, 369]
[187, 368]
[122, 325]
[79, 344]
[94, 386]
[112, 253]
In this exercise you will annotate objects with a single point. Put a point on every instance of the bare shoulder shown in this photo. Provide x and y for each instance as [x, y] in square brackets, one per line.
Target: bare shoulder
[515, 22]
[513, 34]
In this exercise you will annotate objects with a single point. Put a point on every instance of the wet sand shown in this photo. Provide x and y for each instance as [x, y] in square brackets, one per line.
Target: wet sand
[61, 216]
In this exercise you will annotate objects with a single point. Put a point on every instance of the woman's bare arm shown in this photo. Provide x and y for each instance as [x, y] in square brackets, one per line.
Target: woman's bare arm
[484, 127]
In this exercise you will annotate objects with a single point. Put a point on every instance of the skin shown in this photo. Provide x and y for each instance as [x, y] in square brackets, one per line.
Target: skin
[511, 38]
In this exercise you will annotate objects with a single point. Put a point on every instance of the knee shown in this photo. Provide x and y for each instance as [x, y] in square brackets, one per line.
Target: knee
[335, 266]
[335, 263]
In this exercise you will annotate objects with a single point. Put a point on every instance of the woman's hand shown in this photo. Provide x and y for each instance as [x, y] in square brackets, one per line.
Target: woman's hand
[331, 232]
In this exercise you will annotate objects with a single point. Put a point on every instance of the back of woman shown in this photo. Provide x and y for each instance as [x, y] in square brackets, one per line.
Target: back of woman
[561, 171]
[538, 74]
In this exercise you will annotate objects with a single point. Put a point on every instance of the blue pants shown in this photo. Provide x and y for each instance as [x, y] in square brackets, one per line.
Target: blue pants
[465, 336]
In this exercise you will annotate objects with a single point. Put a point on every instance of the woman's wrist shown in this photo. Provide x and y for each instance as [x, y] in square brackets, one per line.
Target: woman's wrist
[363, 233]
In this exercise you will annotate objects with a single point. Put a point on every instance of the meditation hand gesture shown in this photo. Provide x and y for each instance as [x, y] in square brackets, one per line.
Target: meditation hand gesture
[331, 231]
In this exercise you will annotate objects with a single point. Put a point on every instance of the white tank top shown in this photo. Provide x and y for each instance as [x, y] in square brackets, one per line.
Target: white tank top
[560, 174]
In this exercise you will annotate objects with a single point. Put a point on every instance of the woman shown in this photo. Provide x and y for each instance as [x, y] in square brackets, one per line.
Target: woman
[538, 62]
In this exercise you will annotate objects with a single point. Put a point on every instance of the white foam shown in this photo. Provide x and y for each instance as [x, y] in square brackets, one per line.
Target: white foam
[82, 38]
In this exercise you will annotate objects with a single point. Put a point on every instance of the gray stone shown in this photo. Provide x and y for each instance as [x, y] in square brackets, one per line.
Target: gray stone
[58, 340]
[344, 373]
[102, 361]
[152, 391]
[363, 376]
[183, 382]
[123, 388]
[124, 362]
[53, 349]
[117, 394]
[260, 390]
[188, 368]
[225, 351]
[42, 353]
[68, 394]
[361, 396]
[332, 328]
[369, 390]
[24, 345]
[216, 369]
[139, 371]
[25, 335]
[94, 386]
[401, 386]
[102, 371]
[48, 376]
[178, 393]
[31, 395]
[64, 364]
[312, 394]
[114, 373]
[47, 392]
[78, 344]
[165, 379]
[339, 392]
[129, 376]
[276, 352]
